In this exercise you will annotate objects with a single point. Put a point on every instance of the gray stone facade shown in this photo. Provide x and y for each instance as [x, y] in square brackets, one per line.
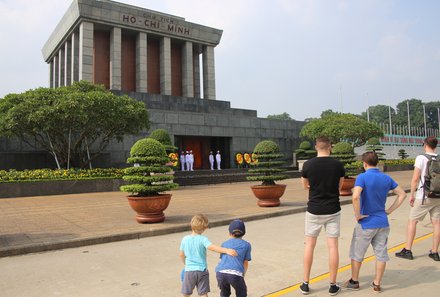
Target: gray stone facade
[209, 123]
[180, 116]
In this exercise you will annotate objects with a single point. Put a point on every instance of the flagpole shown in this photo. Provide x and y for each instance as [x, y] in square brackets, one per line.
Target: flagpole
[424, 119]
[438, 117]
[368, 110]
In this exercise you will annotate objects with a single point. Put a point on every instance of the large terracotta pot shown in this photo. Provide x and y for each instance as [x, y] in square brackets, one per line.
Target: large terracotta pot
[268, 196]
[149, 209]
[347, 186]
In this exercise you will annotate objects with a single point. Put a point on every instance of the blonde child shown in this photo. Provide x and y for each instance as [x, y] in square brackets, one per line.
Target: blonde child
[193, 254]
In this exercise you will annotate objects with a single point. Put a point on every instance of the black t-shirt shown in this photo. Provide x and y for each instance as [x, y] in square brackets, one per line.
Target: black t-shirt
[323, 174]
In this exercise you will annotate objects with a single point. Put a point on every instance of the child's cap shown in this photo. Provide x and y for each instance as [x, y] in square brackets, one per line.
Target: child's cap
[237, 226]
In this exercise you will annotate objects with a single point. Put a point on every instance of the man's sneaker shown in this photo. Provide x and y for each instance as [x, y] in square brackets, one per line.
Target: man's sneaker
[376, 288]
[351, 285]
[434, 256]
[405, 254]
[333, 289]
[304, 288]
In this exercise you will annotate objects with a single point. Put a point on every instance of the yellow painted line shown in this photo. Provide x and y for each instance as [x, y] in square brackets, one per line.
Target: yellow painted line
[341, 269]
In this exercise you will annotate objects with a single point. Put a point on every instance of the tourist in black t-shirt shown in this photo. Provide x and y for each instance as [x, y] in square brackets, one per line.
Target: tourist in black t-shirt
[322, 176]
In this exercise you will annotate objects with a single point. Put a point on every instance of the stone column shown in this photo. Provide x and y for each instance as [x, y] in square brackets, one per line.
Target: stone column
[208, 73]
[75, 57]
[187, 70]
[141, 62]
[61, 66]
[86, 51]
[51, 78]
[67, 63]
[165, 66]
[115, 59]
[55, 71]
[196, 62]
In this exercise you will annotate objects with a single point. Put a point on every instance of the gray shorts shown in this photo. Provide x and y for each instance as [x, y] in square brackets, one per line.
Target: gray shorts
[192, 279]
[419, 211]
[361, 240]
[314, 223]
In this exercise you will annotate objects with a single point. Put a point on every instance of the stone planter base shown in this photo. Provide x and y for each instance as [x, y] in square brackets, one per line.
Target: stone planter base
[149, 209]
[347, 187]
[268, 196]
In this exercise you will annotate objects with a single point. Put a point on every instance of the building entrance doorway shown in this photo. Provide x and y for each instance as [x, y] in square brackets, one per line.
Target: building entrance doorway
[201, 146]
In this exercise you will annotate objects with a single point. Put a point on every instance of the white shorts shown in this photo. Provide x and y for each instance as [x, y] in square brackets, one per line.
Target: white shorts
[331, 224]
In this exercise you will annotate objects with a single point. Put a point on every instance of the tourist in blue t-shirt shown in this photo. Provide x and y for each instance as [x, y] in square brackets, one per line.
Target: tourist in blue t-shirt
[231, 270]
[193, 254]
[369, 197]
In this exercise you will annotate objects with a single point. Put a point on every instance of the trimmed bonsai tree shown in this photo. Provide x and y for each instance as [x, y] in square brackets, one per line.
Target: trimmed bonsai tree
[305, 151]
[269, 167]
[152, 176]
[402, 154]
[163, 137]
[373, 145]
[344, 152]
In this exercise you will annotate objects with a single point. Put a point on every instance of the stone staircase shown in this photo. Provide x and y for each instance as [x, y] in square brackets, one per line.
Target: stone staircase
[204, 177]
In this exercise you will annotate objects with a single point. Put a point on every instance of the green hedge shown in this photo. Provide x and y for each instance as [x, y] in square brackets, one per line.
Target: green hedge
[400, 162]
[55, 174]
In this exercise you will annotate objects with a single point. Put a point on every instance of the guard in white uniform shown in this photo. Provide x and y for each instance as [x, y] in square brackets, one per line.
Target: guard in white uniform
[218, 159]
[188, 161]
[191, 162]
[211, 160]
[182, 160]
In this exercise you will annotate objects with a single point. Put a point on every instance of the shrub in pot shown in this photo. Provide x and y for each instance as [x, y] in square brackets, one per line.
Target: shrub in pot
[344, 152]
[304, 152]
[148, 179]
[163, 137]
[373, 145]
[269, 169]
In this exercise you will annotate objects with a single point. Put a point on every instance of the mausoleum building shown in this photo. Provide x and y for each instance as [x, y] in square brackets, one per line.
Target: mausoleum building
[166, 62]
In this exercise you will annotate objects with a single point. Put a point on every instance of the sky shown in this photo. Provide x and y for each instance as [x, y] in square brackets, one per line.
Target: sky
[296, 56]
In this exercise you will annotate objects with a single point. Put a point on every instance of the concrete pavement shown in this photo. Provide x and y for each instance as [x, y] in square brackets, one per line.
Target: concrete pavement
[150, 267]
[36, 224]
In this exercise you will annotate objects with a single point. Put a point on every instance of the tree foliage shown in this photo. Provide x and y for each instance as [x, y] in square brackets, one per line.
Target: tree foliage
[284, 116]
[71, 122]
[379, 114]
[342, 127]
[163, 137]
[399, 115]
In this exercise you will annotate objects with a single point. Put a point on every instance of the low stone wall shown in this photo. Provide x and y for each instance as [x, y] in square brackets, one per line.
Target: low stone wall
[401, 167]
[199, 177]
[25, 189]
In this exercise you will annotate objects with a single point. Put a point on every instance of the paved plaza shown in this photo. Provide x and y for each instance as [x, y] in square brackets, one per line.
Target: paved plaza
[150, 266]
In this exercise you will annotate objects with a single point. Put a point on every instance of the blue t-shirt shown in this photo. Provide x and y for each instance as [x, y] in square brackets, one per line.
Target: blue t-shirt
[234, 265]
[194, 247]
[375, 187]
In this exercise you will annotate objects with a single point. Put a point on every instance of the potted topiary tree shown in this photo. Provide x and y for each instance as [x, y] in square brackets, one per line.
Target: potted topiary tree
[163, 137]
[149, 178]
[268, 169]
[304, 152]
[344, 152]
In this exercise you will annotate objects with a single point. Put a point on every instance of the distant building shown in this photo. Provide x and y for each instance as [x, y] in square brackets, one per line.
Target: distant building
[166, 62]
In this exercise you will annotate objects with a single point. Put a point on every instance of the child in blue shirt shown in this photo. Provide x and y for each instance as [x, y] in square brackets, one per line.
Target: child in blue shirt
[231, 270]
[193, 254]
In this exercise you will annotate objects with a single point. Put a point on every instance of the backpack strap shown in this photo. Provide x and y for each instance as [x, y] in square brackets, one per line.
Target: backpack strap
[427, 179]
